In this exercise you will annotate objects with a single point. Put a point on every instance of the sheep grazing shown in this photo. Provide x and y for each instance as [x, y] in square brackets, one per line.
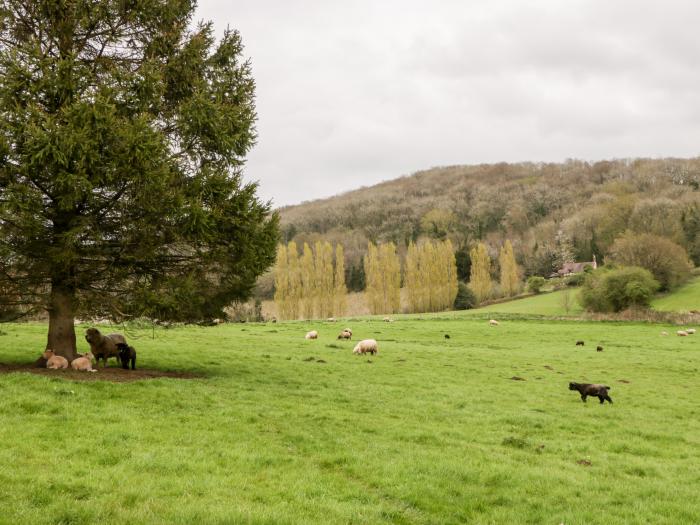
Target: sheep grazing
[493, 322]
[83, 362]
[366, 346]
[598, 348]
[690, 331]
[586, 389]
[580, 343]
[331, 320]
[103, 346]
[347, 330]
[54, 361]
[681, 333]
[447, 336]
[345, 334]
[388, 320]
[313, 334]
[664, 332]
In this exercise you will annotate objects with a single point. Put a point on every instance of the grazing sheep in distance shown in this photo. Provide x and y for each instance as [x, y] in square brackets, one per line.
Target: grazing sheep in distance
[447, 336]
[586, 389]
[690, 331]
[681, 333]
[345, 334]
[83, 362]
[54, 361]
[331, 320]
[313, 334]
[493, 322]
[366, 346]
[388, 320]
[580, 343]
[664, 332]
[599, 349]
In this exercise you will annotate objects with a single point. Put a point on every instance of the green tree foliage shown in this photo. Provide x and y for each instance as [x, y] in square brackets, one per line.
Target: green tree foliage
[666, 260]
[480, 277]
[465, 298]
[618, 289]
[124, 130]
[510, 273]
[383, 274]
[690, 223]
[535, 283]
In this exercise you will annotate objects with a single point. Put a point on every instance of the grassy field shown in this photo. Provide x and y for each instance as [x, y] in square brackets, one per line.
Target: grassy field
[559, 303]
[477, 428]
[684, 299]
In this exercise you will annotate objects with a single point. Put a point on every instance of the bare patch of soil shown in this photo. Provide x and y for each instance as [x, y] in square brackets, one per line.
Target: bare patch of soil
[114, 374]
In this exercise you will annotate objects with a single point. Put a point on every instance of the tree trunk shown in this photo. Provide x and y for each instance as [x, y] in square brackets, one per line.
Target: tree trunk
[61, 337]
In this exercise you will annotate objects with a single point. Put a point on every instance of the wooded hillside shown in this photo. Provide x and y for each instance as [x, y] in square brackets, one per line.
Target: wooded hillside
[543, 209]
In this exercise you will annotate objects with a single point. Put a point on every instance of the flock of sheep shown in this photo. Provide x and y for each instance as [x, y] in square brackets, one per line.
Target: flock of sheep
[101, 346]
[366, 346]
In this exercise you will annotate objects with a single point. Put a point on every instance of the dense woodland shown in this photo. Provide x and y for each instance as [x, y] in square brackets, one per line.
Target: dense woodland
[549, 212]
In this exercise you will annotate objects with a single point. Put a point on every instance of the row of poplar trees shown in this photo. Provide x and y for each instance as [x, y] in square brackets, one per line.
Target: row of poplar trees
[310, 285]
[480, 277]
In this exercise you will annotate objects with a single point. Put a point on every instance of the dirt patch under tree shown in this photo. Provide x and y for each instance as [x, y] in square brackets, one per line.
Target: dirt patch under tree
[114, 374]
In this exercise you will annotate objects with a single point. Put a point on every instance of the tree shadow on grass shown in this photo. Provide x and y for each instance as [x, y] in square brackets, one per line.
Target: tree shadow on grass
[114, 374]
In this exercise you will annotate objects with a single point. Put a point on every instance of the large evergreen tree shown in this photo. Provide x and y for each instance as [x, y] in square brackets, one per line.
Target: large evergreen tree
[123, 132]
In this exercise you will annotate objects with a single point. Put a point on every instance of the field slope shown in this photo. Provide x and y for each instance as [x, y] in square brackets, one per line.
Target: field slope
[684, 299]
[479, 427]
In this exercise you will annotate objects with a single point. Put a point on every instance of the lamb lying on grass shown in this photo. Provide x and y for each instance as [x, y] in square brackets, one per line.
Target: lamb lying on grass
[54, 361]
[366, 346]
[83, 362]
[313, 334]
[586, 389]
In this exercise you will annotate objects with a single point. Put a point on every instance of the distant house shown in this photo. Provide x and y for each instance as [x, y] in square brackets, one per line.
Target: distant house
[571, 268]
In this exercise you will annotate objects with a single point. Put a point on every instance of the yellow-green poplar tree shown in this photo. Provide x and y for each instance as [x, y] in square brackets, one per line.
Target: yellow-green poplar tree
[308, 283]
[480, 276]
[510, 273]
[324, 278]
[295, 290]
[340, 292]
[282, 282]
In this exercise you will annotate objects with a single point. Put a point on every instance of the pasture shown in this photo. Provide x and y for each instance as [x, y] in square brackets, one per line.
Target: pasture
[686, 298]
[477, 428]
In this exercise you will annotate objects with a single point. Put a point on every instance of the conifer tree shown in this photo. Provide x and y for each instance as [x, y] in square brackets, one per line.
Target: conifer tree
[510, 274]
[480, 276]
[123, 135]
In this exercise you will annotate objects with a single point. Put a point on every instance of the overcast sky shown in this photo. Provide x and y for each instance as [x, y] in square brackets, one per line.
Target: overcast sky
[350, 93]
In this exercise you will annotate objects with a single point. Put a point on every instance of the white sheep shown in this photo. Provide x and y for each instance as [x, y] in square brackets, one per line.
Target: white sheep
[388, 320]
[347, 330]
[664, 332]
[366, 346]
[313, 334]
[681, 333]
[54, 361]
[690, 331]
[345, 334]
[83, 362]
[493, 322]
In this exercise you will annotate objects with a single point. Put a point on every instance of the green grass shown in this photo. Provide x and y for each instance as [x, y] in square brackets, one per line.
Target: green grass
[548, 304]
[684, 299]
[432, 430]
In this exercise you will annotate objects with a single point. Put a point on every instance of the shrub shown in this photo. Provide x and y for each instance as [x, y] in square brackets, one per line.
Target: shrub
[465, 299]
[576, 279]
[535, 283]
[666, 260]
[606, 290]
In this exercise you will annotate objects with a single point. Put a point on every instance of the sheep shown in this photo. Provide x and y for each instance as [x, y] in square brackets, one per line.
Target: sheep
[599, 349]
[345, 334]
[54, 361]
[126, 354]
[580, 343]
[347, 330]
[330, 320]
[586, 389]
[103, 346]
[681, 333]
[690, 331]
[313, 334]
[493, 322]
[664, 332]
[83, 362]
[366, 346]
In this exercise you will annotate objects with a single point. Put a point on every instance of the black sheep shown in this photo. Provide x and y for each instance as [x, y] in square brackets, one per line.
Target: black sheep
[599, 349]
[580, 343]
[127, 353]
[586, 389]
